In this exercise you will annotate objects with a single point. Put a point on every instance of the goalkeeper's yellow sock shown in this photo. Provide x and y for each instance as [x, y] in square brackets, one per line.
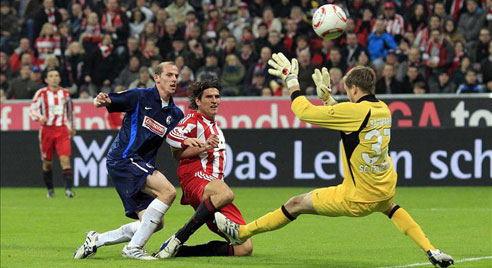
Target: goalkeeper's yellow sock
[269, 222]
[409, 227]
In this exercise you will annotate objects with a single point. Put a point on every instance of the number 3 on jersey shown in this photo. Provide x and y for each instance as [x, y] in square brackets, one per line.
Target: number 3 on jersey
[376, 146]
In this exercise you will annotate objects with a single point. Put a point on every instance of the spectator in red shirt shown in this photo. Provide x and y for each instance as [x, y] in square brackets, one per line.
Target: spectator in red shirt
[24, 48]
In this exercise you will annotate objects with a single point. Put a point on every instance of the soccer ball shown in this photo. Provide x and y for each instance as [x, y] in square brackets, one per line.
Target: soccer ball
[329, 21]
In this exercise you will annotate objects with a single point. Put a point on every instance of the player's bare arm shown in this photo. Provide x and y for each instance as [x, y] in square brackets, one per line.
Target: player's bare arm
[102, 100]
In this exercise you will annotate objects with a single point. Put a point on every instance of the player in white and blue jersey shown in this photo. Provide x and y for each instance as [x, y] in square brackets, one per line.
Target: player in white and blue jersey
[145, 192]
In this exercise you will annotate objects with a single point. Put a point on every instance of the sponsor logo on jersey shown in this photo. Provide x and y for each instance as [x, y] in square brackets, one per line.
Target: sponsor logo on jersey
[154, 126]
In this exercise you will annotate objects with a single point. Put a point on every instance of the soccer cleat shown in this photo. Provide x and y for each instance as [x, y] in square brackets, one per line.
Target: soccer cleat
[69, 193]
[88, 248]
[169, 248]
[137, 253]
[436, 257]
[229, 228]
[50, 193]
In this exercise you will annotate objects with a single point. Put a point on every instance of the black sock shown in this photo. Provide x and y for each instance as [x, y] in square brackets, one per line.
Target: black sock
[212, 248]
[68, 178]
[203, 213]
[48, 179]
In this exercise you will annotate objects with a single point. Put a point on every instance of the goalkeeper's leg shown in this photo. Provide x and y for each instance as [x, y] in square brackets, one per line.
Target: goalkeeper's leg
[277, 219]
[409, 227]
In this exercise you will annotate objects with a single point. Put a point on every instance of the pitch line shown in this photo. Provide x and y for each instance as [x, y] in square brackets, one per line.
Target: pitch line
[428, 263]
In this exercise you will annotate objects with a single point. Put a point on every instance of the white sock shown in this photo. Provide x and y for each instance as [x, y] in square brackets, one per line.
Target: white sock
[150, 220]
[120, 235]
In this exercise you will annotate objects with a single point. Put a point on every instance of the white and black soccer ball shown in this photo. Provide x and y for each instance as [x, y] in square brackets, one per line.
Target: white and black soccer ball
[329, 21]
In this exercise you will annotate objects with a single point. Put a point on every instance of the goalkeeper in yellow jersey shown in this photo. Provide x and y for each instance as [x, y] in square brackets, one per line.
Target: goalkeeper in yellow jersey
[370, 179]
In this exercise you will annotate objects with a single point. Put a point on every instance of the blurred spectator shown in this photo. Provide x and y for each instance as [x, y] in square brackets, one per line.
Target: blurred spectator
[99, 68]
[418, 19]
[4, 85]
[486, 66]
[232, 76]
[22, 87]
[142, 5]
[388, 84]
[460, 72]
[412, 59]
[247, 35]
[336, 60]
[459, 53]
[302, 44]
[274, 42]
[47, 14]
[471, 21]
[438, 55]
[240, 20]
[190, 22]
[471, 84]
[130, 73]
[115, 23]
[178, 49]
[422, 38]
[185, 80]
[178, 10]
[479, 50]
[266, 92]
[211, 69]
[36, 76]
[137, 22]
[76, 20]
[272, 23]
[306, 69]
[46, 43]
[229, 48]
[131, 49]
[213, 23]
[364, 27]
[148, 35]
[419, 88]
[303, 25]
[379, 44]
[171, 32]
[352, 50]
[443, 84]
[336, 81]
[256, 87]
[440, 10]
[290, 37]
[247, 55]
[196, 56]
[144, 80]
[223, 34]
[74, 61]
[91, 34]
[262, 39]
[260, 66]
[160, 22]
[149, 53]
[3, 96]
[15, 58]
[393, 22]
[451, 33]
[411, 78]
[8, 26]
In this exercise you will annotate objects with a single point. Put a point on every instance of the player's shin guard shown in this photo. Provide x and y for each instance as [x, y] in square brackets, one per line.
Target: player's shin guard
[48, 179]
[269, 222]
[212, 248]
[150, 220]
[409, 227]
[68, 178]
[120, 235]
[203, 213]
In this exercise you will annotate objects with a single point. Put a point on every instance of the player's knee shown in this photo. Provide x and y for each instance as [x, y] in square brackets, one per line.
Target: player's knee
[228, 196]
[245, 249]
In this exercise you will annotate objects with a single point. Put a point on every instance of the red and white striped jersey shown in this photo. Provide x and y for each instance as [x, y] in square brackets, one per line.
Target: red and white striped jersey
[56, 106]
[196, 125]
[395, 26]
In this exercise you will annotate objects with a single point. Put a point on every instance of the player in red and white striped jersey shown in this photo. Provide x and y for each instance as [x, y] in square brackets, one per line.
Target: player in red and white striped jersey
[201, 175]
[52, 106]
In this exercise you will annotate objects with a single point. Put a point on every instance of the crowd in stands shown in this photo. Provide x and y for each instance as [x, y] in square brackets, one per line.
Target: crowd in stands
[415, 46]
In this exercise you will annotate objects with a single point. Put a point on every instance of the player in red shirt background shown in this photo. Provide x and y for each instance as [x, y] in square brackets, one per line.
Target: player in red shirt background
[52, 107]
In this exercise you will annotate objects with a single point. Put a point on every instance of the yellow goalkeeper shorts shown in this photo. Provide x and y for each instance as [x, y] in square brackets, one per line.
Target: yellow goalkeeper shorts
[330, 202]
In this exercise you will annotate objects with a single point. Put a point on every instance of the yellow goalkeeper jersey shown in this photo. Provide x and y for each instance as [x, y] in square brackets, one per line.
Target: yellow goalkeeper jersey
[365, 130]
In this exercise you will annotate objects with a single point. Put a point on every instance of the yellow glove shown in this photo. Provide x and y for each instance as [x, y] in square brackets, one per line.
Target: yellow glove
[284, 69]
[323, 85]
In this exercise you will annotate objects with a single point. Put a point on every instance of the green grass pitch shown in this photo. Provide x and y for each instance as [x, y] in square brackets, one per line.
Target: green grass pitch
[41, 232]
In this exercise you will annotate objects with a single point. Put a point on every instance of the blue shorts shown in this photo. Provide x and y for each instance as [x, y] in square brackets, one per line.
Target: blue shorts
[129, 176]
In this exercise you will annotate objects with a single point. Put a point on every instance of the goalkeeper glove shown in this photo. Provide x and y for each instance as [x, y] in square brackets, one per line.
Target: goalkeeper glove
[284, 69]
[323, 85]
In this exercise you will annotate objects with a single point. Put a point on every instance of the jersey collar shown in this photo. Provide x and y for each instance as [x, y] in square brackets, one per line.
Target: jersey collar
[369, 97]
[157, 98]
[204, 118]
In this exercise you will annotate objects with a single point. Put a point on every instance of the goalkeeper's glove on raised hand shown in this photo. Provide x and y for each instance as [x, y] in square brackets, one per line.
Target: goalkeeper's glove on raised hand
[284, 69]
[323, 85]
